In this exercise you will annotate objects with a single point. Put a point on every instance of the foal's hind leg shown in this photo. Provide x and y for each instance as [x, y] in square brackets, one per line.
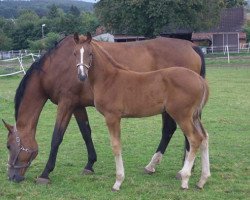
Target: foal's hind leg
[168, 129]
[195, 139]
[205, 172]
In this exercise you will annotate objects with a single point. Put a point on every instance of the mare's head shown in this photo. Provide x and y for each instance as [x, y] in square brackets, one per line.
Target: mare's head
[83, 53]
[20, 157]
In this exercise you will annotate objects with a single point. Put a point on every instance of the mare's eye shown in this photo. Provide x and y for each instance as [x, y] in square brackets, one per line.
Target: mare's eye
[8, 146]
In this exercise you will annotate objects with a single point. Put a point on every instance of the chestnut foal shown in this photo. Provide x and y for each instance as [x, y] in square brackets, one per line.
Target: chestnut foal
[121, 93]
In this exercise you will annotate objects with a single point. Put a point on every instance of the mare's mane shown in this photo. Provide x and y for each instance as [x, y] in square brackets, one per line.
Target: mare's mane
[36, 66]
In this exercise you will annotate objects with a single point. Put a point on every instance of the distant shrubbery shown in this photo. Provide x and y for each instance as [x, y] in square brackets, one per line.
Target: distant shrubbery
[25, 29]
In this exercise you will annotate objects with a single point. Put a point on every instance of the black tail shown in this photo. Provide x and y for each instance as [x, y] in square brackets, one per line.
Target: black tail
[201, 54]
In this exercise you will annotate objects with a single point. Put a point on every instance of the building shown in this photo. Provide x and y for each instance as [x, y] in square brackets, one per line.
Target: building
[227, 34]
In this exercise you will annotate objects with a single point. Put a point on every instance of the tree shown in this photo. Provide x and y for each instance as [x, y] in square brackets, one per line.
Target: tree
[45, 43]
[234, 3]
[53, 12]
[148, 18]
[74, 11]
[27, 27]
[5, 42]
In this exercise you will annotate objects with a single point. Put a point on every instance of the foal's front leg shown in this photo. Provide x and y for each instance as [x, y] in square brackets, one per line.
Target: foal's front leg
[113, 124]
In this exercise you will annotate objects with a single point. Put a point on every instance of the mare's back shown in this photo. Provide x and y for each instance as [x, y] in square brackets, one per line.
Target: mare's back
[154, 54]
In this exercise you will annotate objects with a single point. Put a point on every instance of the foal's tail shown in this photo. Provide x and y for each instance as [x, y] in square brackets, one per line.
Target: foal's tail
[205, 93]
[201, 54]
[197, 113]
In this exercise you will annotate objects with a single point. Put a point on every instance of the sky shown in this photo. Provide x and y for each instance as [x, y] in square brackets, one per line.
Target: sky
[92, 1]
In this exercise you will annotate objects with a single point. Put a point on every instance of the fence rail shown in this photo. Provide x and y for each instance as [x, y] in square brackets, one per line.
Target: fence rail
[12, 66]
[16, 53]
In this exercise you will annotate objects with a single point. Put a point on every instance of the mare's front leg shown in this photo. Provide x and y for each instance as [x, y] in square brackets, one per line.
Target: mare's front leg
[168, 129]
[113, 124]
[64, 113]
[83, 123]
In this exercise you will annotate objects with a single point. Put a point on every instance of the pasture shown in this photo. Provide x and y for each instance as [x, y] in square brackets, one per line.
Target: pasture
[226, 118]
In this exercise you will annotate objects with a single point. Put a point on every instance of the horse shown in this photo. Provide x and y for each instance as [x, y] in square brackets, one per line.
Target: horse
[52, 77]
[122, 93]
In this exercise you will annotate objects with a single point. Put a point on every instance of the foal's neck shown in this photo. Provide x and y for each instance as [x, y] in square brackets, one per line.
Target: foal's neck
[105, 60]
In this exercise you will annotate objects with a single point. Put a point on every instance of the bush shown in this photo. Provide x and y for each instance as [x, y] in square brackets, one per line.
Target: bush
[45, 43]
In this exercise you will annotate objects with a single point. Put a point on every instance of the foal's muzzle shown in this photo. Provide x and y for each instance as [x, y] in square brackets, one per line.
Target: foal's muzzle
[82, 71]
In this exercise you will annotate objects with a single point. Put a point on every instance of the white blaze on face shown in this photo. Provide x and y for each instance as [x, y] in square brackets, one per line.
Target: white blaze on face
[81, 57]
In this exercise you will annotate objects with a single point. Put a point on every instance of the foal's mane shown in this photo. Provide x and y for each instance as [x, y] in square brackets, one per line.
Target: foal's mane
[36, 66]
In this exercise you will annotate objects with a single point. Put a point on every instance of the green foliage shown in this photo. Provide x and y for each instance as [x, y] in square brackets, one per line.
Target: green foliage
[5, 42]
[12, 9]
[46, 43]
[26, 29]
[247, 31]
[53, 12]
[148, 18]
[234, 3]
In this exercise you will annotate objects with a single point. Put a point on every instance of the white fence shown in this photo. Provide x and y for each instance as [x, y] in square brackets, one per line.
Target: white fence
[12, 66]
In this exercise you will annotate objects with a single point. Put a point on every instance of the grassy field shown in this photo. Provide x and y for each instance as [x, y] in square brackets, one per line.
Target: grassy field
[226, 117]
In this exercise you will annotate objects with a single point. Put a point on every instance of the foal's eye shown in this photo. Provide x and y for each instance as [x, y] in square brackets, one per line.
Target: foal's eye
[8, 146]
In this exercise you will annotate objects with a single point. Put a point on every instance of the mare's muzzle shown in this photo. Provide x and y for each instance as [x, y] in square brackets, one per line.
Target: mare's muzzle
[83, 70]
[14, 176]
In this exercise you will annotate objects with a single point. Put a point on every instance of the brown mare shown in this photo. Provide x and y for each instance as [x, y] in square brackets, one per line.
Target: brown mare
[121, 93]
[53, 77]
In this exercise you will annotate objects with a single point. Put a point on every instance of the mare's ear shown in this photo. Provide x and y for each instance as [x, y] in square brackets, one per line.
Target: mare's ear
[89, 37]
[76, 38]
[9, 127]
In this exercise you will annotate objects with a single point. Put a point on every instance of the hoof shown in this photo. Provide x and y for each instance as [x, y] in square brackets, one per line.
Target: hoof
[199, 187]
[114, 190]
[87, 172]
[184, 188]
[147, 171]
[43, 181]
[178, 176]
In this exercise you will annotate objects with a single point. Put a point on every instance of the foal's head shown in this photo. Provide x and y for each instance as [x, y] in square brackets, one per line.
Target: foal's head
[20, 157]
[83, 53]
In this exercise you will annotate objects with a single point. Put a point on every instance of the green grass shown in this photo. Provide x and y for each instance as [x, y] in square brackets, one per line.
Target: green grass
[226, 117]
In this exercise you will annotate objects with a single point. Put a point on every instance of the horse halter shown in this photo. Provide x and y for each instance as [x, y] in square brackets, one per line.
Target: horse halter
[84, 65]
[21, 148]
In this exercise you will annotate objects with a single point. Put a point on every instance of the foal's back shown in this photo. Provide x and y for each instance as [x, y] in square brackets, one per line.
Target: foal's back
[146, 94]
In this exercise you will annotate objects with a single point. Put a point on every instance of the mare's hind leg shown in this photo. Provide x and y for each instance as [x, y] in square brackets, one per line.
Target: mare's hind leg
[168, 129]
[83, 123]
[195, 138]
[64, 114]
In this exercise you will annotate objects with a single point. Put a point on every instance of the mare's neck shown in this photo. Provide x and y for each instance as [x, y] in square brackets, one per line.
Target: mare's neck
[30, 109]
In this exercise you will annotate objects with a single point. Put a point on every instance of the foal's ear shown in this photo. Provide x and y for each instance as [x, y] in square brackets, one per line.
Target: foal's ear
[89, 37]
[76, 38]
[9, 127]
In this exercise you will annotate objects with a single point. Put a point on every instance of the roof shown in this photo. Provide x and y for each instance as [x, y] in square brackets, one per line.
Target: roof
[231, 20]
[105, 37]
[208, 36]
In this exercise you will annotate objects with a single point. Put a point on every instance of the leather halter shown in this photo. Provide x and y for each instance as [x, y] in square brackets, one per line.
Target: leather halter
[22, 148]
[84, 65]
